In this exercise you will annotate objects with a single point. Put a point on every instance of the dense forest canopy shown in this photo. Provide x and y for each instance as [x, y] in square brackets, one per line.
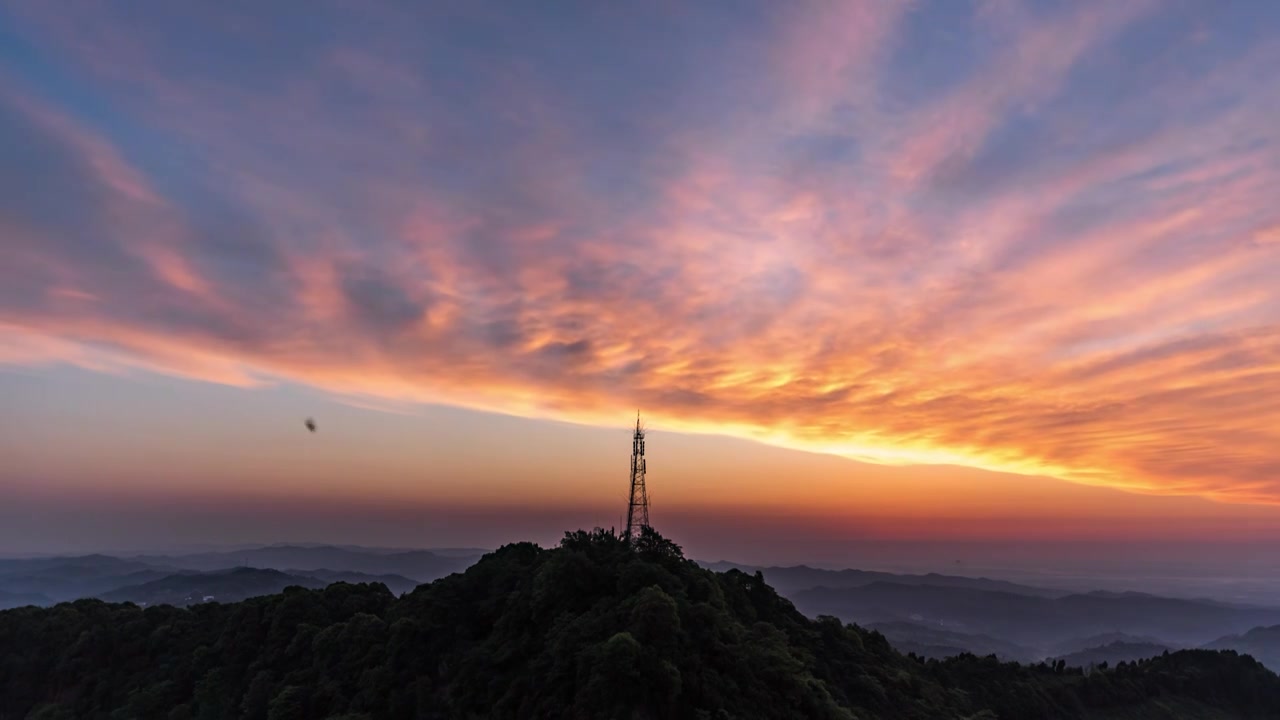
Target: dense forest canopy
[592, 629]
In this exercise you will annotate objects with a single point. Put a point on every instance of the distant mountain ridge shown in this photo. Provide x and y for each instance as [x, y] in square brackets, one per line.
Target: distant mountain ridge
[595, 628]
[934, 642]
[792, 579]
[192, 588]
[59, 588]
[1038, 623]
[51, 579]
[397, 584]
[56, 579]
[1113, 653]
[1260, 643]
[1263, 643]
[95, 565]
[1075, 645]
[937, 616]
[419, 565]
[931, 615]
[10, 600]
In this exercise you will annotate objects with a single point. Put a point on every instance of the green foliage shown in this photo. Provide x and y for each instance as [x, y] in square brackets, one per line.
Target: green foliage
[595, 628]
[289, 704]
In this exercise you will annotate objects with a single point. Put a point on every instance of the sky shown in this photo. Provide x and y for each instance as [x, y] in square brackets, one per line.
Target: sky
[995, 273]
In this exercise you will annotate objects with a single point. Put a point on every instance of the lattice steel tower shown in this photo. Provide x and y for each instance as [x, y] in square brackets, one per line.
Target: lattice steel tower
[638, 505]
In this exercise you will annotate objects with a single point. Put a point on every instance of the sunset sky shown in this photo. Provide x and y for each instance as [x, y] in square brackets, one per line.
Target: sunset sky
[982, 272]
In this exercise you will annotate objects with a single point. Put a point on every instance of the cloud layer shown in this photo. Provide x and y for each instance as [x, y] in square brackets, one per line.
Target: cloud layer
[1034, 237]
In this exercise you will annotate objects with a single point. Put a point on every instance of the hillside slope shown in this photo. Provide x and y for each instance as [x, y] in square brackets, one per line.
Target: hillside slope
[190, 588]
[933, 642]
[16, 600]
[1262, 643]
[418, 565]
[791, 580]
[591, 629]
[1112, 653]
[1038, 623]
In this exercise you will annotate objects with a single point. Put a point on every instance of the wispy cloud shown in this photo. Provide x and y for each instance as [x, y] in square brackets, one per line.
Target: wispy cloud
[1008, 236]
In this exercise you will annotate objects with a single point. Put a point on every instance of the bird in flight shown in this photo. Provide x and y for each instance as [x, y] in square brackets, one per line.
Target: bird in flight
[311, 425]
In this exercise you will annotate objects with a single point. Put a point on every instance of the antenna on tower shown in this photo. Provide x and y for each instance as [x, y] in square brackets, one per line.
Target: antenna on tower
[638, 505]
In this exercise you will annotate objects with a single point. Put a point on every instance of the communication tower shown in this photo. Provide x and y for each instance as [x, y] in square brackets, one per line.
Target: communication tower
[638, 505]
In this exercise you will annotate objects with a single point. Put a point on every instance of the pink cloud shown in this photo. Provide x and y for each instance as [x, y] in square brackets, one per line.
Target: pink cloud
[1101, 310]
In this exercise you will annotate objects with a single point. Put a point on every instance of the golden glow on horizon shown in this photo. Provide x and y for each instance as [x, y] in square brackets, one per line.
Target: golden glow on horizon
[823, 266]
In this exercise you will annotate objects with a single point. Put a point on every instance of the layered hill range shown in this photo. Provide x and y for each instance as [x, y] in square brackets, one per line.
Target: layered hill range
[938, 616]
[599, 627]
[224, 576]
[931, 615]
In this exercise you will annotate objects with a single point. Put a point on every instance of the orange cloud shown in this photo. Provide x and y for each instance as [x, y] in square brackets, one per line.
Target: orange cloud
[985, 275]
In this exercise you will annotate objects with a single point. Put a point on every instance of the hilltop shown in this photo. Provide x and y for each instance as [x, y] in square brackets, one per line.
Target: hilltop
[591, 629]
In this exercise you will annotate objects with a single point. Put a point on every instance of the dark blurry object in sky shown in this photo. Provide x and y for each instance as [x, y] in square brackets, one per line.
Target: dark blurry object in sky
[311, 425]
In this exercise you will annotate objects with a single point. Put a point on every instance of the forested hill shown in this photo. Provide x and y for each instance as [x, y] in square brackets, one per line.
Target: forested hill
[591, 629]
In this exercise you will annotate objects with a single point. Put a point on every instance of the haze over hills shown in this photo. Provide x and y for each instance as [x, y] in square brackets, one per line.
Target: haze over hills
[937, 615]
[421, 565]
[397, 584]
[1113, 653]
[1260, 643]
[57, 587]
[1034, 622]
[1081, 644]
[960, 318]
[787, 580]
[1263, 643]
[936, 642]
[930, 614]
[594, 628]
[176, 578]
[192, 587]
[16, 599]
[47, 580]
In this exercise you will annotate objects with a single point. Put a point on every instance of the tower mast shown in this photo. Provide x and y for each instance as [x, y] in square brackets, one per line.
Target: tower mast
[638, 505]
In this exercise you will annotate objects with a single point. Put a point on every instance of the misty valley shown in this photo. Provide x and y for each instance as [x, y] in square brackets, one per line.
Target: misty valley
[931, 615]
[944, 336]
[599, 628]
